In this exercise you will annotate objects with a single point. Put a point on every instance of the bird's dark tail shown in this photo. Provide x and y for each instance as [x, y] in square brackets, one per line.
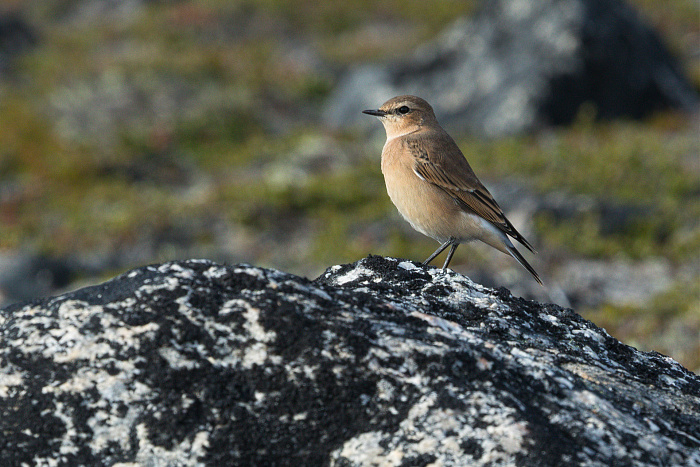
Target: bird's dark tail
[513, 232]
[519, 258]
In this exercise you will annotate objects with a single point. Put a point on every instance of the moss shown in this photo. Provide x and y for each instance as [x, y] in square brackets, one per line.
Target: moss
[334, 18]
[229, 126]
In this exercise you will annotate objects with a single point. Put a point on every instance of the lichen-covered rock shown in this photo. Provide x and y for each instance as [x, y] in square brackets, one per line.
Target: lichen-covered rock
[380, 362]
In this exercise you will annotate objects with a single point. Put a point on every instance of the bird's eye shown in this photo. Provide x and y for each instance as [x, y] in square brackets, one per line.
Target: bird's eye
[404, 109]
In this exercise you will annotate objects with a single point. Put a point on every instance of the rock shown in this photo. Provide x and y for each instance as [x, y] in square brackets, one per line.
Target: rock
[81, 12]
[521, 65]
[380, 362]
[590, 283]
[16, 37]
[25, 275]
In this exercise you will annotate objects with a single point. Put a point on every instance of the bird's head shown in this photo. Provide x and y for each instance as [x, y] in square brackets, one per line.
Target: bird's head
[403, 114]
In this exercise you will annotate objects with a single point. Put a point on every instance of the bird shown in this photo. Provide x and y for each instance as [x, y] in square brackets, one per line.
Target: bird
[433, 186]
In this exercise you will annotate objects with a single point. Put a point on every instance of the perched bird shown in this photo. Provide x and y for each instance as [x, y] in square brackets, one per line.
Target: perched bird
[434, 188]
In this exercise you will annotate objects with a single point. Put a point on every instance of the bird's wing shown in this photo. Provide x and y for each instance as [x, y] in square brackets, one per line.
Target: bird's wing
[456, 178]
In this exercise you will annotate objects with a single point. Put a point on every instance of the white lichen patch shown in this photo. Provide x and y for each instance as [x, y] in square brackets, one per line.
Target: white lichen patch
[216, 272]
[149, 289]
[9, 380]
[448, 326]
[589, 334]
[253, 326]
[176, 270]
[185, 453]
[439, 432]
[247, 347]
[176, 359]
[365, 449]
[258, 274]
[353, 275]
[63, 338]
[407, 266]
[477, 298]
[550, 319]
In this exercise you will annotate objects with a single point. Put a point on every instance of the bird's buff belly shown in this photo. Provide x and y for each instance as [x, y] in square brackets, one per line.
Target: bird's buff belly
[424, 206]
[435, 214]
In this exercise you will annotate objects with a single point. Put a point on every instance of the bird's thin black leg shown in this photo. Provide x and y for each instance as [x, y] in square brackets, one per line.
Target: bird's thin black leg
[453, 248]
[438, 251]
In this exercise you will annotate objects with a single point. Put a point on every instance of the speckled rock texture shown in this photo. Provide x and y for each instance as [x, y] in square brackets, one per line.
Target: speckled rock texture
[380, 362]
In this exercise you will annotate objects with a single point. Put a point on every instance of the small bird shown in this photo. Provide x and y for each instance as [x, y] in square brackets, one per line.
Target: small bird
[433, 186]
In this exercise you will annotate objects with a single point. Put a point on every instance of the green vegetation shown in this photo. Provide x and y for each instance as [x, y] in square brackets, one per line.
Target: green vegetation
[669, 324]
[642, 165]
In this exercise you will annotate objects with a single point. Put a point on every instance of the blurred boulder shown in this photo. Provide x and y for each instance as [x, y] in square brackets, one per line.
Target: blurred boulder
[80, 12]
[592, 283]
[24, 276]
[519, 65]
[16, 37]
[380, 362]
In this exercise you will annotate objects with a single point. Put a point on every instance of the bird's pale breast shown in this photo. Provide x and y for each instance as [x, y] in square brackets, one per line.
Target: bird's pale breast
[426, 207]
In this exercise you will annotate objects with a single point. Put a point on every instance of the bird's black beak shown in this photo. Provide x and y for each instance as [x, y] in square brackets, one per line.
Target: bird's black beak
[376, 113]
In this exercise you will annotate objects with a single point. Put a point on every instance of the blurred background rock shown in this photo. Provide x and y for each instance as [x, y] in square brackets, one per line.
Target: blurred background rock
[135, 131]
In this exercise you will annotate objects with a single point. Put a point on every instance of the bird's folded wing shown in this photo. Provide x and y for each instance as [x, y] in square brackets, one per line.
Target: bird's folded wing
[466, 189]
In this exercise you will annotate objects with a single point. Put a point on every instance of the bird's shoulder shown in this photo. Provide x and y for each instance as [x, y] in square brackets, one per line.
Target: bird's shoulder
[433, 145]
[438, 159]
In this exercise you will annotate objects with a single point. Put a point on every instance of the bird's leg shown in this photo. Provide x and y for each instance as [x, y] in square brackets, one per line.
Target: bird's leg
[438, 251]
[453, 247]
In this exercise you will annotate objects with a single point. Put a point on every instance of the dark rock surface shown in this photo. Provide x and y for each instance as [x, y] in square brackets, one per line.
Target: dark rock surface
[381, 361]
[517, 66]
